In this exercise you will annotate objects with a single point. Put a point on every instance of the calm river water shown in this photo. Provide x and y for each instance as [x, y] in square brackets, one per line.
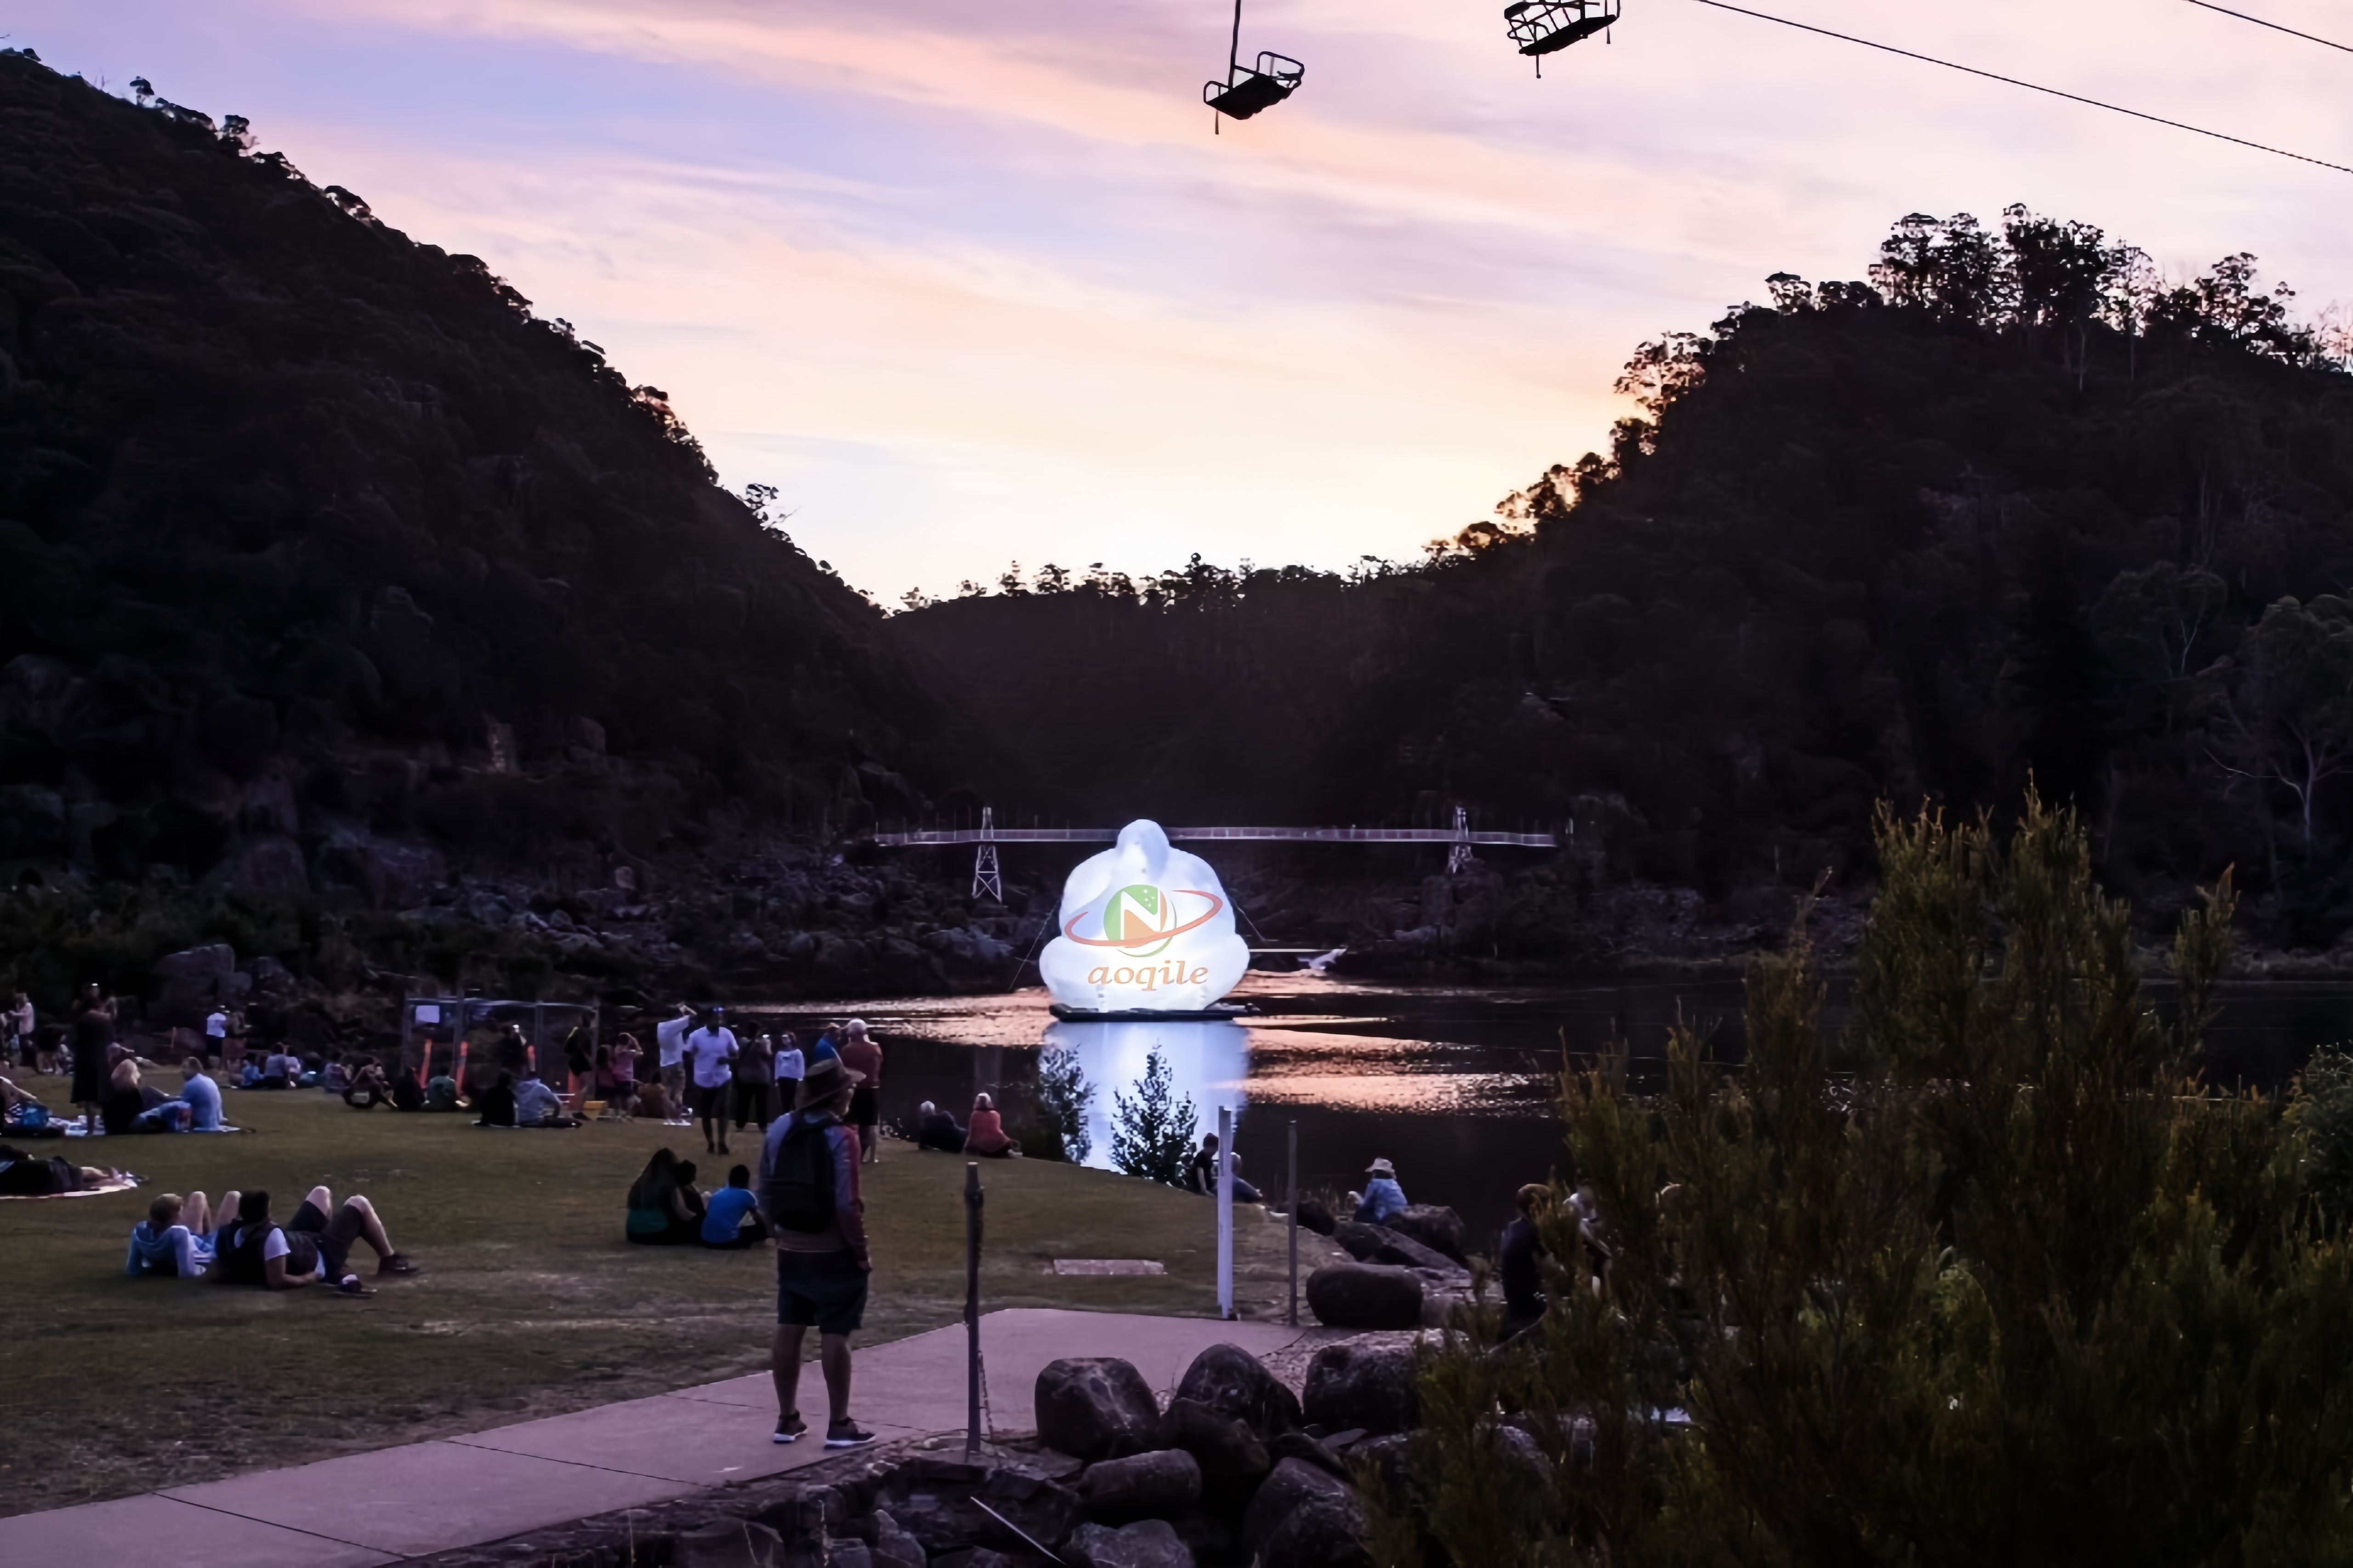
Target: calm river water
[1453, 1084]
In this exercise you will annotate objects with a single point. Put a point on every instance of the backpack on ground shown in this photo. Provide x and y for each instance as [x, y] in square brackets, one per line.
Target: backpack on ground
[799, 1195]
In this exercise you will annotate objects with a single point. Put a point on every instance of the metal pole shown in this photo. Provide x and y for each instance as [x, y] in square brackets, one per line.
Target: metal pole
[972, 1304]
[1226, 1212]
[1292, 1319]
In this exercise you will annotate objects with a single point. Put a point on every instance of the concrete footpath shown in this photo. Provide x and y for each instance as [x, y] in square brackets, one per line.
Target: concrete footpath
[365, 1509]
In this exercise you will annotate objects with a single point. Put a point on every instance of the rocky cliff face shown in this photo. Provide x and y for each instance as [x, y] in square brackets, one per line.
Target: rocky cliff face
[327, 569]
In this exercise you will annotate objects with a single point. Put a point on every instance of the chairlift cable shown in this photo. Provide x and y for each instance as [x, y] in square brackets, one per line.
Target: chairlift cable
[2031, 87]
[2274, 26]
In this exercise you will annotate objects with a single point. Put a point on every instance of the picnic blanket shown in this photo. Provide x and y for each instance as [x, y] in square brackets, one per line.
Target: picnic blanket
[119, 1183]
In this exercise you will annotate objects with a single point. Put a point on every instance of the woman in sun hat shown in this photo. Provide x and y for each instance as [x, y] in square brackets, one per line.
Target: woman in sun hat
[1383, 1196]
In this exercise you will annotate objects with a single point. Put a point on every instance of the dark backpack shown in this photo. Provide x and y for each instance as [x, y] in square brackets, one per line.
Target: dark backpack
[799, 1195]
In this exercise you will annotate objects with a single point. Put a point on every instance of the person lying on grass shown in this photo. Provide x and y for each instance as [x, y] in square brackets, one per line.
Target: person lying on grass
[176, 1238]
[23, 1175]
[731, 1219]
[310, 1247]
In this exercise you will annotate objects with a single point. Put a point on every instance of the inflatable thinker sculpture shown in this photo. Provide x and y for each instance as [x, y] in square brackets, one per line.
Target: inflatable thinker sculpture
[1144, 929]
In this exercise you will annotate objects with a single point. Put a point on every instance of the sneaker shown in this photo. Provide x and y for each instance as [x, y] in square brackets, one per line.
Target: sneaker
[790, 1427]
[399, 1263]
[846, 1435]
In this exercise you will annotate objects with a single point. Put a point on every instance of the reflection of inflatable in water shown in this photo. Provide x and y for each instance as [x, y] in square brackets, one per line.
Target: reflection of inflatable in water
[1144, 928]
[1207, 1062]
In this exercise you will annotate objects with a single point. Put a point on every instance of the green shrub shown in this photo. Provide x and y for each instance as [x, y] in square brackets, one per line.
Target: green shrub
[1152, 1135]
[2019, 1289]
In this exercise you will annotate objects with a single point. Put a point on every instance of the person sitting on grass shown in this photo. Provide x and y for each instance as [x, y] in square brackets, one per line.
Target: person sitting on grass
[986, 1137]
[335, 1078]
[653, 1102]
[123, 1102]
[368, 1087]
[498, 1104]
[175, 1239]
[202, 1094]
[13, 1101]
[664, 1209]
[309, 1249]
[936, 1129]
[23, 1175]
[441, 1093]
[536, 1105]
[732, 1218]
[1205, 1172]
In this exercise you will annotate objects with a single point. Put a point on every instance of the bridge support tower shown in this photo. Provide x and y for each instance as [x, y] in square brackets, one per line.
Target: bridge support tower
[986, 882]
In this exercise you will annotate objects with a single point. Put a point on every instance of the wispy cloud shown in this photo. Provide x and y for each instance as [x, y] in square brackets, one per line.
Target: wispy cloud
[973, 283]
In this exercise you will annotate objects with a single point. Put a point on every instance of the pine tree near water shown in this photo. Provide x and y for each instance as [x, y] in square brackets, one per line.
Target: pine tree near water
[1152, 1135]
[2018, 1287]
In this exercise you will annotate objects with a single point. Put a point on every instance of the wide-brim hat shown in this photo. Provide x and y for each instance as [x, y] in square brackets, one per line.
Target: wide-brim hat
[1381, 1168]
[826, 1077]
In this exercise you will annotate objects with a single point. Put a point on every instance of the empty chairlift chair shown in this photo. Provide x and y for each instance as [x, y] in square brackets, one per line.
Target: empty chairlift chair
[1246, 92]
[1540, 27]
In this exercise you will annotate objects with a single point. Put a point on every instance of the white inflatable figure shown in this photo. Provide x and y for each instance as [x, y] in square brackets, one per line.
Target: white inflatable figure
[1144, 928]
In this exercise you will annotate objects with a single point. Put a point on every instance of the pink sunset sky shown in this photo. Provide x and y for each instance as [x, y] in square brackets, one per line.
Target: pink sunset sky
[973, 283]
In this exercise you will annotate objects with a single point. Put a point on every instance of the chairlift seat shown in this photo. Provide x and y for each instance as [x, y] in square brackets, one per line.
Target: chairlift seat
[1543, 26]
[1276, 79]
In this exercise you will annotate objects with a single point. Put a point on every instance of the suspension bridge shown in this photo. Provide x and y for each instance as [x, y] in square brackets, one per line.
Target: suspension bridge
[1459, 839]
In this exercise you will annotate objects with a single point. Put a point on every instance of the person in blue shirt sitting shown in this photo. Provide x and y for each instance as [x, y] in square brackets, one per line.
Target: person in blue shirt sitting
[724, 1226]
[1383, 1197]
[202, 1095]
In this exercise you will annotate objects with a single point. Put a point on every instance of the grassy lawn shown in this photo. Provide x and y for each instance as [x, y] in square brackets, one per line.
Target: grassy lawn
[531, 1303]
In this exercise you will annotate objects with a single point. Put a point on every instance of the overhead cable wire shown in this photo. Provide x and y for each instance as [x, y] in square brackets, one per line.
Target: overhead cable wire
[2274, 26]
[2031, 87]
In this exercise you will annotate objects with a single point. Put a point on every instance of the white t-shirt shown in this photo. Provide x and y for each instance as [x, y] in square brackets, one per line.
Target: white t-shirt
[670, 1036]
[217, 1026]
[710, 1050]
[789, 1065]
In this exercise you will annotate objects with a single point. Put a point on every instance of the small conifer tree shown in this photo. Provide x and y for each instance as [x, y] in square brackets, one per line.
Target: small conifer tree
[1063, 1096]
[1152, 1134]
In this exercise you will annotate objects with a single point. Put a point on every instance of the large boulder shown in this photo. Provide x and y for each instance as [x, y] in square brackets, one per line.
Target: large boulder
[1435, 1227]
[1378, 1243]
[1149, 1544]
[1231, 1459]
[1323, 1532]
[1291, 1487]
[934, 1502]
[1155, 1485]
[1314, 1215]
[728, 1543]
[1365, 1296]
[1087, 1405]
[894, 1546]
[1235, 1383]
[1365, 1388]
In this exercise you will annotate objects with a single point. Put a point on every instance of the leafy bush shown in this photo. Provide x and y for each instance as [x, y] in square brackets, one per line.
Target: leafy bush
[1152, 1135]
[1063, 1096]
[2020, 1289]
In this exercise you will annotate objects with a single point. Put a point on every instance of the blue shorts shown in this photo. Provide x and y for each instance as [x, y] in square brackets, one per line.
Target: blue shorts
[820, 1291]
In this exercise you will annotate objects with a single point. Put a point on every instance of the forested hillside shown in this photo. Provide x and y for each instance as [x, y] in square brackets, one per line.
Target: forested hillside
[2010, 508]
[322, 559]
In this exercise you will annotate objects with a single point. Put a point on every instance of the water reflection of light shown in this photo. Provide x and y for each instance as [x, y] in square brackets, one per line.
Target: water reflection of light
[1455, 1094]
[1208, 1063]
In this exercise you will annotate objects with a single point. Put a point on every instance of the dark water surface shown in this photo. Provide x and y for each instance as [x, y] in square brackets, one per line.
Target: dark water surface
[1453, 1084]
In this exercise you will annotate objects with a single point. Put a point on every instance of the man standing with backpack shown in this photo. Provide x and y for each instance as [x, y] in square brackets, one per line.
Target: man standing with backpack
[808, 1195]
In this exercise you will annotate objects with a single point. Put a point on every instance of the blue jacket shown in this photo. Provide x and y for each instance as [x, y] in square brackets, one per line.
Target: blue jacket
[1383, 1197]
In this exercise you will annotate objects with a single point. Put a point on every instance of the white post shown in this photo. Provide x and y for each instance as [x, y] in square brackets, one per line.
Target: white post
[1226, 1212]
